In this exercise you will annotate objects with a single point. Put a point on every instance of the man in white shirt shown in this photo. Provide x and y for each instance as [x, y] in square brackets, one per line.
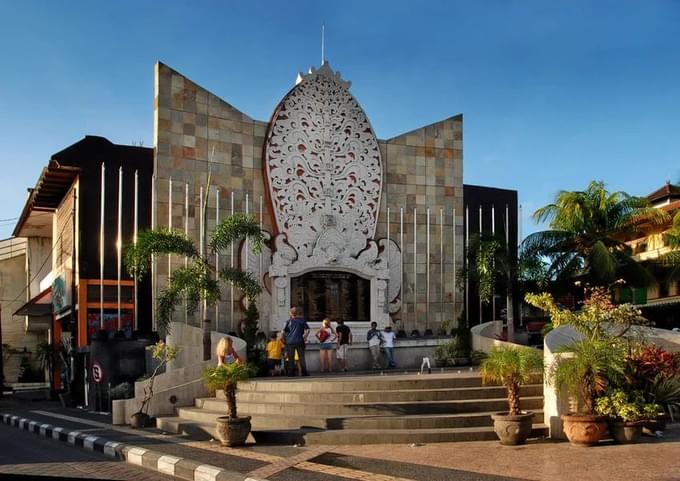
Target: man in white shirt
[375, 340]
[388, 338]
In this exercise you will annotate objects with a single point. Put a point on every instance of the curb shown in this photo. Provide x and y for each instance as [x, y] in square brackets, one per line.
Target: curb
[146, 458]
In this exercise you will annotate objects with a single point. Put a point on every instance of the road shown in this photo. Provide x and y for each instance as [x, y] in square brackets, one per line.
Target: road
[24, 453]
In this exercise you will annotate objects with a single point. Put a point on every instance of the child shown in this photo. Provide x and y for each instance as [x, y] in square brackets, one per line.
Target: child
[275, 353]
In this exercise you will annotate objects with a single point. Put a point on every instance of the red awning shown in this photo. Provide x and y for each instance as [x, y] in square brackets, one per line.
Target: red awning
[40, 305]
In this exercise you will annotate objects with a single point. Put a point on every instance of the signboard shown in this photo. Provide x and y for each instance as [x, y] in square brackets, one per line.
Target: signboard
[61, 291]
[97, 372]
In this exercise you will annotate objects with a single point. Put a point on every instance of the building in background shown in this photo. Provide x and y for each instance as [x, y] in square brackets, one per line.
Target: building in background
[660, 302]
[64, 211]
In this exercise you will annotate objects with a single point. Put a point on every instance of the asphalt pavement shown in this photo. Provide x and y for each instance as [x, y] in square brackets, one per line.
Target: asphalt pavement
[25, 454]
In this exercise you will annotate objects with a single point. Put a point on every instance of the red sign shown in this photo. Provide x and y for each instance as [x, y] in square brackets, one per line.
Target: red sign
[97, 372]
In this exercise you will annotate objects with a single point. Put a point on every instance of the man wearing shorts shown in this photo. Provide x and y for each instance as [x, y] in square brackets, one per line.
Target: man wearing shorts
[344, 334]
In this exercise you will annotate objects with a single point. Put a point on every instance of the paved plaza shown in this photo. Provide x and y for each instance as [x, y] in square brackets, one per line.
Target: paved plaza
[483, 461]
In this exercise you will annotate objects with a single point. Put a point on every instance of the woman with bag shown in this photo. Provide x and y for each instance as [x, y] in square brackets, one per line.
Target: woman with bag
[326, 338]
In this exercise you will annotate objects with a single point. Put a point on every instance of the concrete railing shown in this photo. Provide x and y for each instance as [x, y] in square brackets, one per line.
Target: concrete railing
[486, 335]
[557, 403]
[181, 383]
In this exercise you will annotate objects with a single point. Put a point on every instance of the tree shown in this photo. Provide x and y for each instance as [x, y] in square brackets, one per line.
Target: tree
[198, 280]
[587, 235]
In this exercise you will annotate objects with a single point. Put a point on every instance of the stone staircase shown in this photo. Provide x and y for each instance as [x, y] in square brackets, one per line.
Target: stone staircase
[408, 408]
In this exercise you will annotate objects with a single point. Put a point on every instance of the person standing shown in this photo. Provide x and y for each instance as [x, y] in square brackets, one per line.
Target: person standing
[275, 353]
[344, 334]
[326, 339]
[375, 340]
[296, 332]
[388, 337]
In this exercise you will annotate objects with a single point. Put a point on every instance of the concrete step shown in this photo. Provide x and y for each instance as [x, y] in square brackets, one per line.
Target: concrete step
[401, 395]
[382, 408]
[362, 383]
[404, 436]
[199, 431]
[422, 421]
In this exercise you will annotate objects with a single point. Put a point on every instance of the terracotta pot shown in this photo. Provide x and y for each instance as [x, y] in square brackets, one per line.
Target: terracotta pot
[233, 432]
[141, 420]
[512, 430]
[584, 429]
[625, 433]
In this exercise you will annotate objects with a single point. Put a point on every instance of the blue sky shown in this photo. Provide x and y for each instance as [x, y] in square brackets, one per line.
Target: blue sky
[554, 94]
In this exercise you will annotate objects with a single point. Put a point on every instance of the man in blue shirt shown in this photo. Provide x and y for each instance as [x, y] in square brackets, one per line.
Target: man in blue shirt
[296, 332]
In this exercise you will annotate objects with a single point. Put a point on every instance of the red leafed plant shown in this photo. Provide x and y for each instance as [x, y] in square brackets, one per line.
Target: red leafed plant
[654, 361]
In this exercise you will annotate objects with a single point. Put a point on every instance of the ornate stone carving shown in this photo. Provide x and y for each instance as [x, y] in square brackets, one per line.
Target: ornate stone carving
[322, 162]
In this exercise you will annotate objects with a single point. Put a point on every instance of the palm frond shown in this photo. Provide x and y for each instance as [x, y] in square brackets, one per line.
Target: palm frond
[236, 228]
[243, 280]
[156, 241]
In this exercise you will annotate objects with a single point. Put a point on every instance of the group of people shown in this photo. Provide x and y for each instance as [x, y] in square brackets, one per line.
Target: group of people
[286, 349]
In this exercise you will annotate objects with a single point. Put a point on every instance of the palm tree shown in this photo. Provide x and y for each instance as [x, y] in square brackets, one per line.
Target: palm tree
[198, 280]
[587, 235]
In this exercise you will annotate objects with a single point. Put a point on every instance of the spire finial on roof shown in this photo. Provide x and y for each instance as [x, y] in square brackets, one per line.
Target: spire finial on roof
[323, 43]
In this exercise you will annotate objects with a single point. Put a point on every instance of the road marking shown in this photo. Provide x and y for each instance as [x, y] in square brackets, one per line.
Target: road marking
[134, 455]
[166, 464]
[206, 472]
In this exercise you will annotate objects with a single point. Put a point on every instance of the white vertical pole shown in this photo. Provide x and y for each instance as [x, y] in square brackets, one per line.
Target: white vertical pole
[217, 258]
[169, 224]
[466, 262]
[154, 283]
[388, 238]
[186, 234]
[455, 288]
[480, 236]
[493, 263]
[441, 265]
[510, 308]
[231, 264]
[259, 272]
[403, 253]
[427, 274]
[119, 241]
[134, 240]
[245, 242]
[101, 248]
[415, 266]
[201, 247]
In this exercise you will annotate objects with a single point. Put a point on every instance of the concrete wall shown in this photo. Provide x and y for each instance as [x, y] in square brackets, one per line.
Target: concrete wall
[181, 383]
[13, 294]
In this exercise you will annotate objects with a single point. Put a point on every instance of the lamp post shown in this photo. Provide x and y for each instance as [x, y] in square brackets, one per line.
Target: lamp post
[2, 361]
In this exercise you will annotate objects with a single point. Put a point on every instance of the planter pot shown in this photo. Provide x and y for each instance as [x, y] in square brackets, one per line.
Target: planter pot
[141, 420]
[233, 432]
[626, 433]
[657, 424]
[512, 430]
[584, 429]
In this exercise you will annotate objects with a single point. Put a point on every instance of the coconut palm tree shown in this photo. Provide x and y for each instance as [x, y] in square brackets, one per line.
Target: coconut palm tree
[587, 235]
[198, 280]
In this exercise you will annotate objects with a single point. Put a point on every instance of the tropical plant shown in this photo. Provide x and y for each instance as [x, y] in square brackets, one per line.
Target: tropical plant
[598, 317]
[164, 354]
[198, 280]
[227, 377]
[587, 235]
[666, 393]
[586, 369]
[625, 407]
[511, 367]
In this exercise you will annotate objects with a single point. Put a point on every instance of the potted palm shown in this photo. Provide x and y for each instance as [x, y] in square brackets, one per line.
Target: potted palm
[584, 369]
[232, 430]
[512, 367]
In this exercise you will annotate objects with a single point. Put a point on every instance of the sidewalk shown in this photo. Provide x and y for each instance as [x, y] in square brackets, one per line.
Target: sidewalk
[653, 459]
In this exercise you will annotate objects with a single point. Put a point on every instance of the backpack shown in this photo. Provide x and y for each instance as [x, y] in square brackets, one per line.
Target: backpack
[323, 335]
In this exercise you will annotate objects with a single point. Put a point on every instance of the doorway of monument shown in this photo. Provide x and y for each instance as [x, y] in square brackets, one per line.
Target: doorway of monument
[332, 294]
